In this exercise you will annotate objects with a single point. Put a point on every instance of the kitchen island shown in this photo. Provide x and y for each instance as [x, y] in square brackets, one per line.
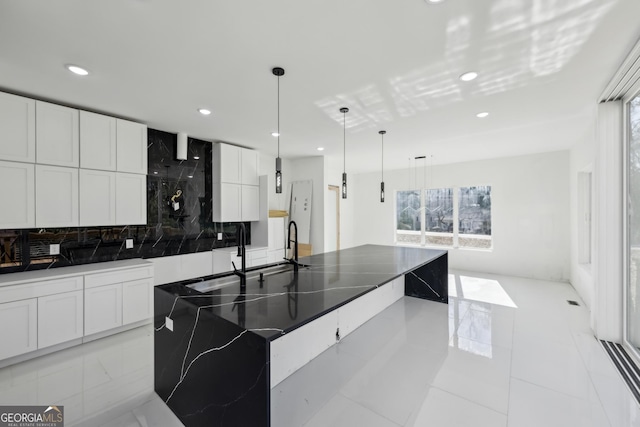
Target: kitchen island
[219, 349]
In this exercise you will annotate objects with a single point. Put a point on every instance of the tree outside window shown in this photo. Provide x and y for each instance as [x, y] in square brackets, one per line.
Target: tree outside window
[452, 217]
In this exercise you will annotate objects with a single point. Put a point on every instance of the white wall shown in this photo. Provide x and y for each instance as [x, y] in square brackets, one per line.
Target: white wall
[530, 212]
[582, 157]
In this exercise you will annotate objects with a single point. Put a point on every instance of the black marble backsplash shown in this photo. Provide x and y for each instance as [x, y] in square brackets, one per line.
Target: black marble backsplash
[178, 218]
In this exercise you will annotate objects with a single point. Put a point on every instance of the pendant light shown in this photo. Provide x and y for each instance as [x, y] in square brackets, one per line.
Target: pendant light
[344, 111]
[278, 72]
[382, 132]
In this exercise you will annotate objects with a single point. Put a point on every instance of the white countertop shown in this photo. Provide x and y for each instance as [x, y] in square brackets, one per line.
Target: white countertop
[21, 278]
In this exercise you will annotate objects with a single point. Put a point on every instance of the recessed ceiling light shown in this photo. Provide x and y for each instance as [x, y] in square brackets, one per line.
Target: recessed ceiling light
[155, 172]
[482, 115]
[196, 157]
[434, 1]
[275, 134]
[468, 76]
[189, 176]
[77, 70]
[320, 148]
[204, 111]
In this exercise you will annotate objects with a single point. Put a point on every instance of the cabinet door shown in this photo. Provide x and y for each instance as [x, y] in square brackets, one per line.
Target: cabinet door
[97, 198]
[57, 135]
[249, 167]
[18, 334]
[131, 142]
[131, 199]
[56, 196]
[230, 166]
[18, 193]
[18, 124]
[97, 141]
[102, 308]
[250, 203]
[276, 233]
[137, 300]
[60, 318]
[226, 203]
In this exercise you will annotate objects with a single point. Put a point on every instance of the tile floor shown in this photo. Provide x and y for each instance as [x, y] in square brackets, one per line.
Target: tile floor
[505, 352]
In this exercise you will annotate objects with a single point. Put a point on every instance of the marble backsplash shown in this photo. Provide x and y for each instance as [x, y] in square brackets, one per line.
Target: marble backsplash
[178, 218]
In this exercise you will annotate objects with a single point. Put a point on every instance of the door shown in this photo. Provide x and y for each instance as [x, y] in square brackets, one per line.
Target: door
[19, 197]
[22, 334]
[131, 147]
[97, 198]
[57, 135]
[56, 196]
[102, 308]
[131, 199]
[60, 318]
[18, 124]
[137, 300]
[97, 141]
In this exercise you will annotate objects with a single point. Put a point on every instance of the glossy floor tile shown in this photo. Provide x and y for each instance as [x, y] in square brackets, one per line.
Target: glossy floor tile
[505, 351]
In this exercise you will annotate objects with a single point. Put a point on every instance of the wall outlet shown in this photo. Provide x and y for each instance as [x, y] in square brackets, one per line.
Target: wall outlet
[219, 236]
[169, 323]
[54, 249]
[129, 243]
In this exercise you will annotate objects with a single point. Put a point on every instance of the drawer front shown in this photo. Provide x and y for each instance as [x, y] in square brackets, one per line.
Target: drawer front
[41, 288]
[101, 279]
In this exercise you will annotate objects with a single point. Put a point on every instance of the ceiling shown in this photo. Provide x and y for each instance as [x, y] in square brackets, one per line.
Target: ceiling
[395, 63]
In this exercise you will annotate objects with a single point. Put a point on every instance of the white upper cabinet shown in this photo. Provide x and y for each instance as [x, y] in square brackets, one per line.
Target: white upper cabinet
[97, 198]
[57, 135]
[235, 184]
[56, 196]
[97, 141]
[250, 167]
[18, 124]
[131, 199]
[18, 208]
[131, 147]
[250, 203]
[227, 163]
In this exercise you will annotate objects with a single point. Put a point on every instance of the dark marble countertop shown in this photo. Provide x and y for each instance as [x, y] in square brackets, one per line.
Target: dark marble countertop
[285, 300]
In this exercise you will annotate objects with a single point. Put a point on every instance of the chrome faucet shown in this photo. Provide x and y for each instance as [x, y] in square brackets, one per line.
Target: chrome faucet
[293, 261]
[241, 238]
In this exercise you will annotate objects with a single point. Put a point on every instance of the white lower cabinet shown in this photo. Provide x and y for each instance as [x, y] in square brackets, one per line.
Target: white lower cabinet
[19, 331]
[103, 308]
[137, 300]
[60, 318]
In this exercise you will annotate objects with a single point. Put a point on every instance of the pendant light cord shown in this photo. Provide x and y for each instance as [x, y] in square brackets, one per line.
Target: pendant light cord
[382, 157]
[344, 142]
[278, 116]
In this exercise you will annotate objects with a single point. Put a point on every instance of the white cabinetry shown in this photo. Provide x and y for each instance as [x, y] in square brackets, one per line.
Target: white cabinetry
[103, 308]
[235, 184]
[223, 259]
[18, 195]
[249, 170]
[60, 318]
[19, 333]
[250, 204]
[97, 141]
[131, 199]
[57, 135]
[131, 147]
[97, 198]
[137, 300]
[56, 196]
[18, 124]
[117, 298]
[277, 239]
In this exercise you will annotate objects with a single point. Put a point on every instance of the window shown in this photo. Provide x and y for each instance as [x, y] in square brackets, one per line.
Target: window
[452, 217]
